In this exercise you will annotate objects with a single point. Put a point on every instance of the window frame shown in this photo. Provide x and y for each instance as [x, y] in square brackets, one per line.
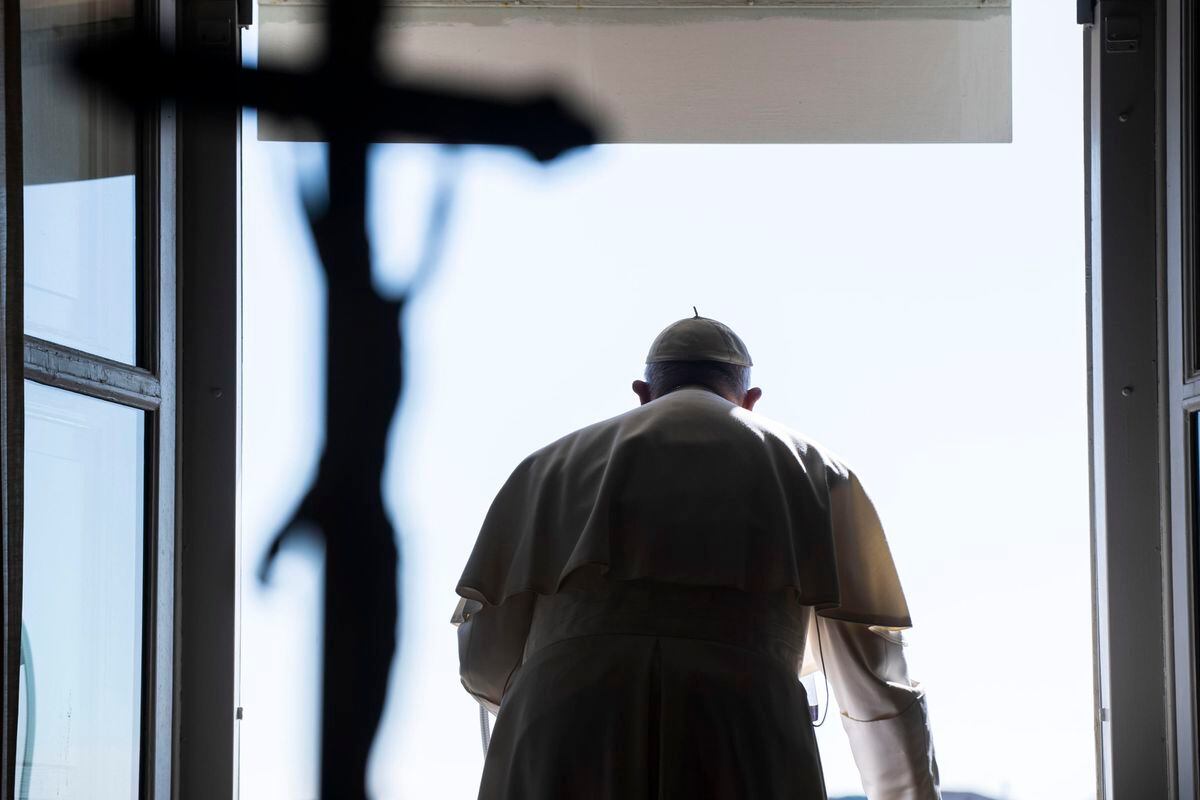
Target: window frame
[188, 284]
[1183, 385]
[148, 386]
[208, 329]
[1144, 394]
[12, 388]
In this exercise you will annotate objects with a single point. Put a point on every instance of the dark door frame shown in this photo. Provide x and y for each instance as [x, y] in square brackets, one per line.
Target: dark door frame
[12, 390]
[1143, 394]
[209, 297]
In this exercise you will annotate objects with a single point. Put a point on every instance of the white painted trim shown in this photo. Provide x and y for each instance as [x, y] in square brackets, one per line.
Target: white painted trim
[981, 5]
[733, 74]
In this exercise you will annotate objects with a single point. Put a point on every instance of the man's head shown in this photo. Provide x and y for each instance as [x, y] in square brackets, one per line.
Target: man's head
[698, 352]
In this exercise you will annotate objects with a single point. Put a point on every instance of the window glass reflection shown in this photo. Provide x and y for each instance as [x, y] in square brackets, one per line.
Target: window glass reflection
[80, 151]
[79, 736]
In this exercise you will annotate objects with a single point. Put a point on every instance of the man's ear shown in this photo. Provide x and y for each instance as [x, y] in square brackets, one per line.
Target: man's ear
[752, 397]
[642, 390]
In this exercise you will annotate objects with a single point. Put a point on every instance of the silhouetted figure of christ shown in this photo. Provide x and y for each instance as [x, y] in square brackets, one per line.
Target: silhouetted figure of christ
[645, 593]
[363, 384]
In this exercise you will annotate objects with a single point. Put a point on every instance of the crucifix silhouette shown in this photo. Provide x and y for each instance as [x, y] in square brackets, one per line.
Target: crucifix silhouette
[352, 105]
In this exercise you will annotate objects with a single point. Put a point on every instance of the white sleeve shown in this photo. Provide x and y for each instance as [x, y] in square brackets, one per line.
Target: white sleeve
[883, 710]
[491, 645]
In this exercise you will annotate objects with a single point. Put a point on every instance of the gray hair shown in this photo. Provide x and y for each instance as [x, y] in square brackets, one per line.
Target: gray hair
[724, 379]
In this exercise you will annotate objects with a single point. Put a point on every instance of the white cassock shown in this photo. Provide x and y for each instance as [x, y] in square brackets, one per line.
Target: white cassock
[644, 594]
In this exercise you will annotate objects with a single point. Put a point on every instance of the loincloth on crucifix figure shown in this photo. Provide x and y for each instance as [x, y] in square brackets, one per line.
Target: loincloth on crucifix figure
[646, 592]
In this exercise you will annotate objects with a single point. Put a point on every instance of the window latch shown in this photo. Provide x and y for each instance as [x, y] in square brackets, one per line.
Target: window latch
[1122, 34]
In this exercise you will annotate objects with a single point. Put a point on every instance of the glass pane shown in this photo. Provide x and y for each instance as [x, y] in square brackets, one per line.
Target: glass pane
[80, 152]
[81, 675]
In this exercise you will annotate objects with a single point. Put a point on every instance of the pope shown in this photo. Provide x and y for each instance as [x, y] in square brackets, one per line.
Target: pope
[646, 592]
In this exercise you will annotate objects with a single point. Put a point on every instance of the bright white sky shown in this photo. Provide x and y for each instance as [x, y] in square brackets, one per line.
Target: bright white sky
[918, 309]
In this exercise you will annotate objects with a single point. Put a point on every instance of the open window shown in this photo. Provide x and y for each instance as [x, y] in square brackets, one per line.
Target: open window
[120, 258]
[94, 228]
[93, 549]
[910, 304]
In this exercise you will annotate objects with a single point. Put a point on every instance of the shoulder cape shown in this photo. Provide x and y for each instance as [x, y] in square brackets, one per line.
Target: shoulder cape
[690, 489]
